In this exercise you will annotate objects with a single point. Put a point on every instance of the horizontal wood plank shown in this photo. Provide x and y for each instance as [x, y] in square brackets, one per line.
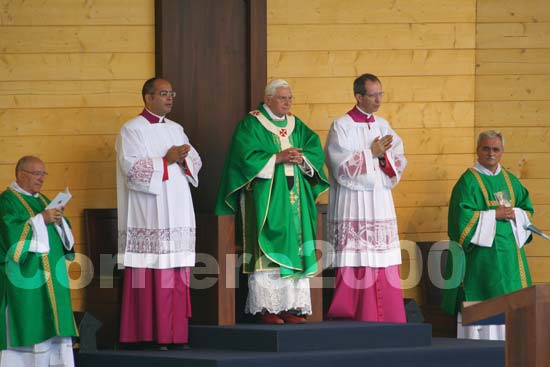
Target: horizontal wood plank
[385, 62]
[369, 11]
[78, 66]
[538, 247]
[71, 94]
[64, 121]
[400, 115]
[512, 88]
[62, 12]
[513, 61]
[388, 36]
[512, 113]
[397, 89]
[510, 11]
[411, 194]
[422, 220]
[60, 149]
[77, 176]
[77, 39]
[540, 269]
[436, 167]
[513, 35]
[82, 199]
[527, 165]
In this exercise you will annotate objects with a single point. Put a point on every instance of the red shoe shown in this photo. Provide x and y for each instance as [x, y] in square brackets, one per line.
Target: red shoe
[291, 318]
[271, 318]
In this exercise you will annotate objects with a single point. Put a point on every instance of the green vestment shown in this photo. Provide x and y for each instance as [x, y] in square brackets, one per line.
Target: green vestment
[487, 271]
[275, 225]
[34, 287]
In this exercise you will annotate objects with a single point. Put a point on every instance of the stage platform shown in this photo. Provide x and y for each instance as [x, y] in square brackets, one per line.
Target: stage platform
[330, 343]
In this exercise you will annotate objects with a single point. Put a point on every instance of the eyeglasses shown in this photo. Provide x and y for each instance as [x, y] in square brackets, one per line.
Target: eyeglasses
[37, 173]
[374, 95]
[167, 93]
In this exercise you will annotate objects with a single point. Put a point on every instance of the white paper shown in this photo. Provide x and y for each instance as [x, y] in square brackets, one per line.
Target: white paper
[60, 200]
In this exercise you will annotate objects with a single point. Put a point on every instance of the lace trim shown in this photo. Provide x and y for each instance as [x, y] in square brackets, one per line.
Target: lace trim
[141, 173]
[157, 241]
[364, 235]
[268, 292]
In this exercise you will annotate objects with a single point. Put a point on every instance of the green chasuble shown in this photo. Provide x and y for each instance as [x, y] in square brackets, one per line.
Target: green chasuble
[34, 287]
[275, 225]
[487, 272]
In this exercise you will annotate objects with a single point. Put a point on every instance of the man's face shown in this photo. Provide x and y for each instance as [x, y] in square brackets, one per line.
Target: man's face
[31, 176]
[489, 153]
[160, 103]
[371, 101]
[281, 102]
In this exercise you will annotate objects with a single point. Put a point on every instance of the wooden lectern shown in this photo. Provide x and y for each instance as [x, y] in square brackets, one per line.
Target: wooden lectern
[527, 314]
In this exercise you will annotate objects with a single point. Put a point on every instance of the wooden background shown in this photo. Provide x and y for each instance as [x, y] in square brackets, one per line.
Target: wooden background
[71, 73]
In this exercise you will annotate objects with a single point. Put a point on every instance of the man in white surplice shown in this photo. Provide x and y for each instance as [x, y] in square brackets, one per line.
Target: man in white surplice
[366, 160]
[156, 220]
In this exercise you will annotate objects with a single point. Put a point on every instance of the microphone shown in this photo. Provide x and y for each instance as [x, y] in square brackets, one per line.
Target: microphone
[532, 228]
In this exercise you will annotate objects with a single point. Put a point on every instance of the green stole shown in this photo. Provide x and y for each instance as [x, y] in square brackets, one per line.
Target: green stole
[481, 273]
[36, 285]
[275, 225]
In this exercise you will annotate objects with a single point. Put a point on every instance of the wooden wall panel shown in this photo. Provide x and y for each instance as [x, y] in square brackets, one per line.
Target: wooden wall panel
[512, 88]
[513, 35]
[389, 62]
[77, 39]
[64, 121]
[388, 36]
[495, 11]
[512, 113]
[370, 11]
[513, 61]
[398, 89]
[512, 94]
[70, 75]
[410, 115]
[76, 66]
[67, 94]
[63, 12]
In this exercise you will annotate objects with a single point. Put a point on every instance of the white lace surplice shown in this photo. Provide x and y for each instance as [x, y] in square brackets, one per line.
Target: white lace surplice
[156, 220]
[362, 220]
[268, 292]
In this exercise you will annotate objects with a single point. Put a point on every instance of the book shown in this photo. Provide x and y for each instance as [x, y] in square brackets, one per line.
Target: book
[60, 200]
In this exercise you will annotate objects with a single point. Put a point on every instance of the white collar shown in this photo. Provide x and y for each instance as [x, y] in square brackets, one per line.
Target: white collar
[366, 113]
[14, 185]
[272, 115]
[478, 167]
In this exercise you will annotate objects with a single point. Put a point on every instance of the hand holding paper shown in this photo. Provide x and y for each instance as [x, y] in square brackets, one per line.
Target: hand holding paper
[60, 200]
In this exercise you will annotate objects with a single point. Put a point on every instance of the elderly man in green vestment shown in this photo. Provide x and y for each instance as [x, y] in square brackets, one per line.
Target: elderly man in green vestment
[272, 177]
[36, 323]
[488, 211]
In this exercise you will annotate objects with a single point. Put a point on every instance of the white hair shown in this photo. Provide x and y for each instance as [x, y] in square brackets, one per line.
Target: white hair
[489, 134]
[271, 87]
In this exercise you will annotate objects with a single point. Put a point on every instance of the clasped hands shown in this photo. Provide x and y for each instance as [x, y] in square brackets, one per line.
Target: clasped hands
[505, 213]
[177, 153]
[53, 215]
[290, 155]
[380, 145]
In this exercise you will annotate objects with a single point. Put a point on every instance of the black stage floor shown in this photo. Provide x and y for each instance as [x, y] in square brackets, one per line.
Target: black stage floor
[330, 343]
